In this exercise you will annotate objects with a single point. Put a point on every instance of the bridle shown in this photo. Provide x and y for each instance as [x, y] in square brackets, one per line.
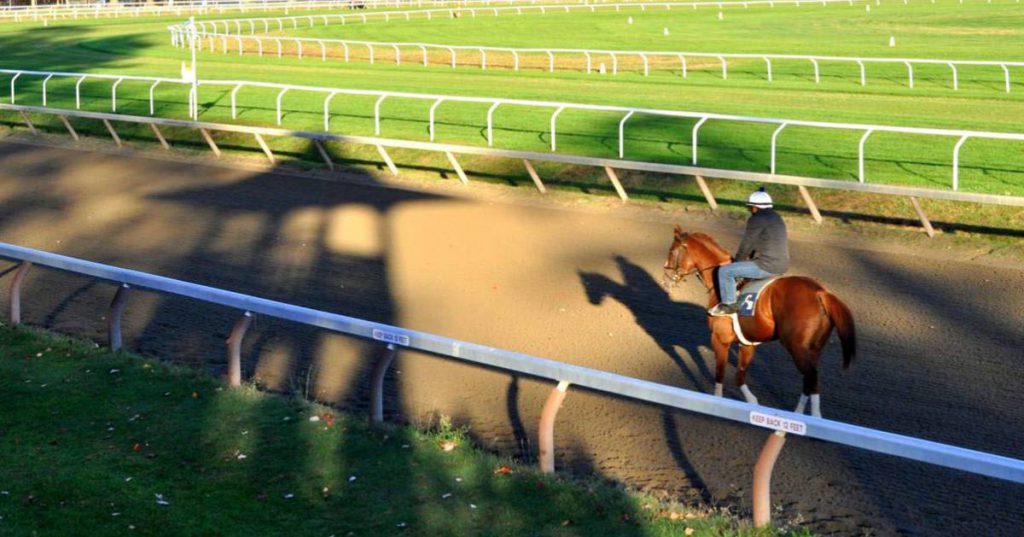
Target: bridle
[676, 258]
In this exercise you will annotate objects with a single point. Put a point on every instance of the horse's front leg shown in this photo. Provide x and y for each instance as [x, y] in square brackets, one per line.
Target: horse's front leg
[721, 348]
[746, 356]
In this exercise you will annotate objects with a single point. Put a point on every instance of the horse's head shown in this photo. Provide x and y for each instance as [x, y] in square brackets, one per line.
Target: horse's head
[679, 263]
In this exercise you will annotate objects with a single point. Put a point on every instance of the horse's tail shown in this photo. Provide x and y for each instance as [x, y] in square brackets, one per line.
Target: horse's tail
[842, 318]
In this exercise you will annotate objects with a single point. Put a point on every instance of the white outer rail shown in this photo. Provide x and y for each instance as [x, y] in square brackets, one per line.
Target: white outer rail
[558, 107]
[700, 117]
[615, 55]
[564, 374]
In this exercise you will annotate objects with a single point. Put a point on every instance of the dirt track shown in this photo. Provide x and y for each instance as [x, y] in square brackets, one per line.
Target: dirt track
[940, 341]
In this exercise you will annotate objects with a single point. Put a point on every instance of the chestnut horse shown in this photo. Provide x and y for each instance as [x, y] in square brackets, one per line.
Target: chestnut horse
[797, 311]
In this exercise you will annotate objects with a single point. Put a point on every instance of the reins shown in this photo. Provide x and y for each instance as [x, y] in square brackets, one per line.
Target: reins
[681, 276]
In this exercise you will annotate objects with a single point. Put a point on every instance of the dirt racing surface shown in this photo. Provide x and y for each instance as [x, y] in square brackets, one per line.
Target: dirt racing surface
[940, 341]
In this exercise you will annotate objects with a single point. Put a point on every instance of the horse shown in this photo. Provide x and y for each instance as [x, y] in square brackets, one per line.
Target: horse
[796, 310]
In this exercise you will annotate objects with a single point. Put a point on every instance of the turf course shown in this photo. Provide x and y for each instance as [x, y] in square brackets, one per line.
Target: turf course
[944, 30]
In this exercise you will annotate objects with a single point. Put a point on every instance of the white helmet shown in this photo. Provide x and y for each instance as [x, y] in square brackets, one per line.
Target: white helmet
[760, 199]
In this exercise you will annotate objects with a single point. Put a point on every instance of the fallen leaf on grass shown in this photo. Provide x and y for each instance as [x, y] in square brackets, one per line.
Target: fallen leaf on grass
[448, 445]
[137, 447]
[504, 469]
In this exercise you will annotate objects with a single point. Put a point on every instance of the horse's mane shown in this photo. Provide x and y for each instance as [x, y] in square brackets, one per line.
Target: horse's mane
[709, 245]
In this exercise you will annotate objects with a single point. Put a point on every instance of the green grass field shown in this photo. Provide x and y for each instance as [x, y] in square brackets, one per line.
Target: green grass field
[945, 30]
[101, 443]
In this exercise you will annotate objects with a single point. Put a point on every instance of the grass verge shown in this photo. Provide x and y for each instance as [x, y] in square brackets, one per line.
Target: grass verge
[103, 443]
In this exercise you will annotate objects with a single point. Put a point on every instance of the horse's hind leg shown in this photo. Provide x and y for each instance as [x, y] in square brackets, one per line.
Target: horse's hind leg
[809, 368]
[746, 356]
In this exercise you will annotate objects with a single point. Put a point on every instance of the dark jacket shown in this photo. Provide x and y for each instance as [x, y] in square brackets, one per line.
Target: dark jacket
[765, 242]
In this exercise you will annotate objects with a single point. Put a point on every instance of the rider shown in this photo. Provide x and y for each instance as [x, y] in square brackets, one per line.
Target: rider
[763, 252]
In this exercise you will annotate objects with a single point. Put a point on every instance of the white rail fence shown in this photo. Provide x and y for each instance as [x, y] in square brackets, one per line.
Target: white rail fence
[564, 375]
[162, 8]
[448, 55]
[329, 94]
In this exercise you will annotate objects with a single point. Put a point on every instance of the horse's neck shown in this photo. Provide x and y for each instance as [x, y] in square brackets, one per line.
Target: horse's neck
[708, 254]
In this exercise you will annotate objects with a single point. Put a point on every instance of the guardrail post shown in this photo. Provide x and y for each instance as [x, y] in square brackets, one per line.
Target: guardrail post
[210, 142]
[28, 122]
[324, 154]
[925, 222]
[160, 136]
[113, 133]
[234, 343]
[706, 191]
[264, 147]
[377, 385]
[806, 195]
[71, 130]
[533, 175]
[546, 430]
[114, 317]
[614, 178]
[458, 168]
[763, 478]
[19, 277]
[387, 160]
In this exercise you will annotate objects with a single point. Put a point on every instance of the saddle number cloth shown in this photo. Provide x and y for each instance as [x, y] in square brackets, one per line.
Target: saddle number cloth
[749, 294]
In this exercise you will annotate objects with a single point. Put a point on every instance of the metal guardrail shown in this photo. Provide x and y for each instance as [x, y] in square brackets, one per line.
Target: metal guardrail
[782, 422]
[234, 31]
[609, 166]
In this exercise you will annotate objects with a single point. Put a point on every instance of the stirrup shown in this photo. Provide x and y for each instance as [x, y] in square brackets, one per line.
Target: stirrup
[723, 310]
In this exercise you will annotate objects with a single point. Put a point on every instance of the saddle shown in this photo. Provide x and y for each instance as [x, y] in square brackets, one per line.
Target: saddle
[748, 292]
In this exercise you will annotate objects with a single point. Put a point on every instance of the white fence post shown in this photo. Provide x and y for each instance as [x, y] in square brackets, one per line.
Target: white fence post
[554, 117]
[956, 163]
[860, 155]
[694, 138]
[775, 136]
[622, 134]
[432, 109]
[490, 123]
